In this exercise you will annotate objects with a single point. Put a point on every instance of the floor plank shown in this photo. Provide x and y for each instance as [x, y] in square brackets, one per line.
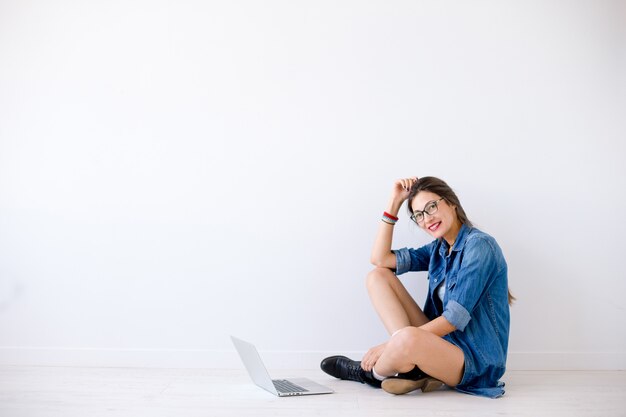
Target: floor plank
[69, 392]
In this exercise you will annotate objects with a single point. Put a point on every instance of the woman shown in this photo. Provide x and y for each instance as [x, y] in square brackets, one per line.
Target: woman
[461, 336]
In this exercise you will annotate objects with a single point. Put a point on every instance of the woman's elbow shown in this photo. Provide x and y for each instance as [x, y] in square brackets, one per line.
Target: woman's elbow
[376, 261]
[383, 262]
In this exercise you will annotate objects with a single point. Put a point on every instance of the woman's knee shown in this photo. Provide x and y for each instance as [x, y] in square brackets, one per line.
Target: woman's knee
[378, 276]
[407, 341]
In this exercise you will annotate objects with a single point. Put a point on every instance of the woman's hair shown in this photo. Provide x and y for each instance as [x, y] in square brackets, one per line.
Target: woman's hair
[439, 187]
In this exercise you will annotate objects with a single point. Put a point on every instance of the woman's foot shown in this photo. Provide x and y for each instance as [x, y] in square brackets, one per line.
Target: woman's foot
[398, 386]
[345, 368]
[411, 381]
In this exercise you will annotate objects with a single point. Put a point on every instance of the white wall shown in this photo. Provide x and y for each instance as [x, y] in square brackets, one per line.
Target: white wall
[172, 172]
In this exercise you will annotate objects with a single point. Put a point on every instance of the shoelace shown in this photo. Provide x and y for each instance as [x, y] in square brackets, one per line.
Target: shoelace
[354, 371]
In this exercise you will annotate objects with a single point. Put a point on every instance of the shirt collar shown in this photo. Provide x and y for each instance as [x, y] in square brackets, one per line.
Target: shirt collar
[461, 237]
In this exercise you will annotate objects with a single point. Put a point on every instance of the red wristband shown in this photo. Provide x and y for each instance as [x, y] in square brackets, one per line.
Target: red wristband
[391, 216]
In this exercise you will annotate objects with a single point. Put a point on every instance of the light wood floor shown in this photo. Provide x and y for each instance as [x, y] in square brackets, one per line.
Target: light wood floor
[91, 392]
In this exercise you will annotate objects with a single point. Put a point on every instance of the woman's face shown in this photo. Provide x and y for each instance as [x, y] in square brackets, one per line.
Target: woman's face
[442, 221]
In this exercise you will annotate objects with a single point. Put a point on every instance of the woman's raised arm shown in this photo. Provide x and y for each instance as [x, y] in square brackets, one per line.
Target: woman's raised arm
[381, 253]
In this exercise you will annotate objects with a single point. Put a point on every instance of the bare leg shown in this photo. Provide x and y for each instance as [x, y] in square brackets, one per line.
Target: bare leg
[412, 347]
[394, 305]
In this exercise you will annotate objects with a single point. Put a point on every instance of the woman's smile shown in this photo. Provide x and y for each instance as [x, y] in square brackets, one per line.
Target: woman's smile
[433, 227]
[439, 218]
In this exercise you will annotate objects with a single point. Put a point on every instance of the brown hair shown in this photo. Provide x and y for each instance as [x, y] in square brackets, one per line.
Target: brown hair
[439, 187]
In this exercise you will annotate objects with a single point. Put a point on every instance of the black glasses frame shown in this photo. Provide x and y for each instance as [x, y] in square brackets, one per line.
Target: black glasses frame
[428, 210]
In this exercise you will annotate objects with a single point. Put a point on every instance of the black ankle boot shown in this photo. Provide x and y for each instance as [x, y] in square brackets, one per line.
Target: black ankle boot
[345, 368]
[414, 374]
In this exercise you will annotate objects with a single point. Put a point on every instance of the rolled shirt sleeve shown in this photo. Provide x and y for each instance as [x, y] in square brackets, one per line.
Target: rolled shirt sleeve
[413, 259]
[403, 261]
[457, 315]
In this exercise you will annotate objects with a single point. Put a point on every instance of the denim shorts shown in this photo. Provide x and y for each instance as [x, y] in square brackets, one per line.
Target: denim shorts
[479, 378]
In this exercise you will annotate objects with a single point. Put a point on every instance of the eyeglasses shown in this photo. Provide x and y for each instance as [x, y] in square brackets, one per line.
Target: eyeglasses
[430, 209]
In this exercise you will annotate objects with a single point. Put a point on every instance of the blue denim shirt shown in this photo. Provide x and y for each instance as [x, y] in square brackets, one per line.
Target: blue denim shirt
[475, 302]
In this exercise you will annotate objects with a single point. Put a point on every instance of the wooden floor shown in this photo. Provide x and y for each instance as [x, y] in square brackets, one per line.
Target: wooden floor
[91, 392]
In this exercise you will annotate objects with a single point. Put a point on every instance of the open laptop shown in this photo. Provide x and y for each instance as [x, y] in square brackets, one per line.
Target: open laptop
[280, 387]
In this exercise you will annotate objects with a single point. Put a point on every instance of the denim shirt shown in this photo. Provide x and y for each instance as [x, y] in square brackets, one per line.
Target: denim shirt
[475, 302]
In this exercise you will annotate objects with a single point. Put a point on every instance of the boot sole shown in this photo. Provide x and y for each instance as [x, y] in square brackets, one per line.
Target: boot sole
[399, 386]
[431, 384]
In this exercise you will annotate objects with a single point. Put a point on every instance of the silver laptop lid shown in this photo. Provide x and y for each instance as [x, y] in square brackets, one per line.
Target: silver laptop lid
[253, 363]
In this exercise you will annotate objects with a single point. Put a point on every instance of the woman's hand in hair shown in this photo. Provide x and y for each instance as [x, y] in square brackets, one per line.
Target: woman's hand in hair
[401, 189]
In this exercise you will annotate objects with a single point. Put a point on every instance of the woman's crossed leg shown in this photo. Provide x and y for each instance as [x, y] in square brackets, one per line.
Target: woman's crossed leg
[409, 346]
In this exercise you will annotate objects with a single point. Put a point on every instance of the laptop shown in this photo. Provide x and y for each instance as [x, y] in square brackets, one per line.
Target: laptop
[280, 387]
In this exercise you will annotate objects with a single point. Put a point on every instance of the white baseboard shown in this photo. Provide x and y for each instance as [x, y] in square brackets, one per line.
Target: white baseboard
[228, 359]
[566, 361]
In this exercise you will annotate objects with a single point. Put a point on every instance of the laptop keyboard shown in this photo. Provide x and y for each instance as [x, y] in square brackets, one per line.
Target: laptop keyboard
[282, 385]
